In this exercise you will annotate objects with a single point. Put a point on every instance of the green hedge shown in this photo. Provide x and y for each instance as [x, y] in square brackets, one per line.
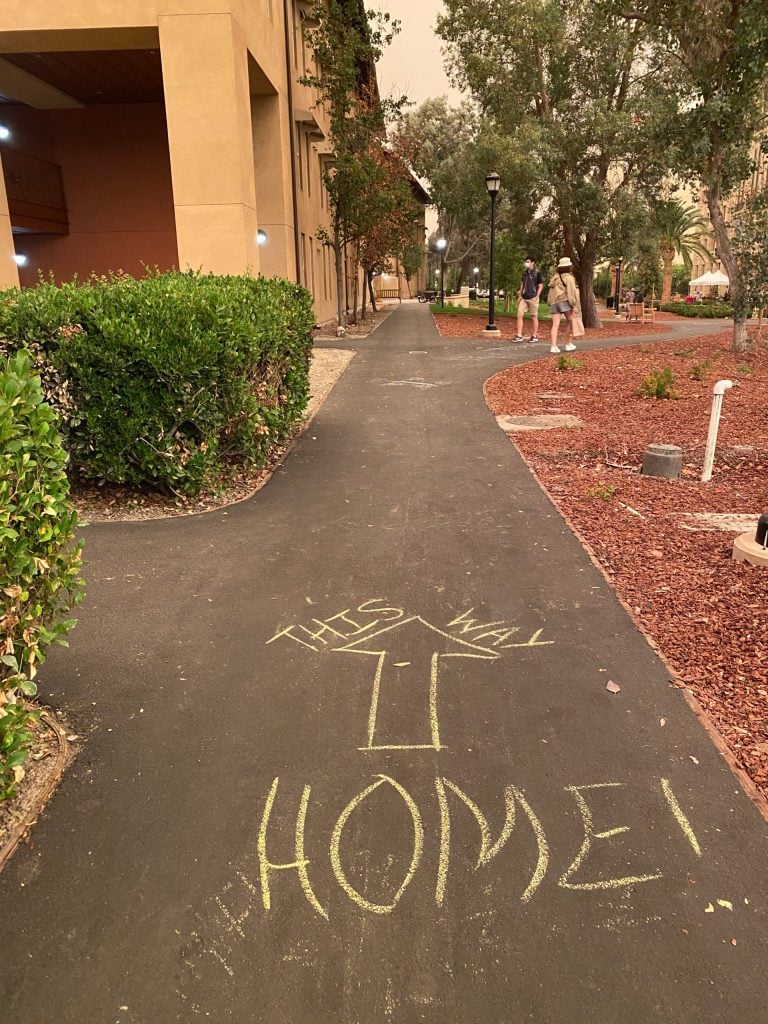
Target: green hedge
[707, 311]
[39, 558]
[173, 376]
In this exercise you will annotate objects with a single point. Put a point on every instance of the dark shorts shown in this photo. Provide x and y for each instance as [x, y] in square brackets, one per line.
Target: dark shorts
[561, 307]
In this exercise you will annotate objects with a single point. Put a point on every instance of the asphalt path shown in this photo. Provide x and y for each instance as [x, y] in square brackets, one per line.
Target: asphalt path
[349, 756]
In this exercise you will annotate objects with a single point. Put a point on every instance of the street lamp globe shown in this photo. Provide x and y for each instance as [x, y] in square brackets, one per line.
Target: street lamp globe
[441, 244]
[493, 183]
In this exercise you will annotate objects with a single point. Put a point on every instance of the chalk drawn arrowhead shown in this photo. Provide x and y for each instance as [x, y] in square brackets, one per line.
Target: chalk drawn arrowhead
[383, 640]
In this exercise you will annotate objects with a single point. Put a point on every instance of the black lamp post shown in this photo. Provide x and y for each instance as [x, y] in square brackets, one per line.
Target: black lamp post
[441, 247]
[493, 184]
[617, 301]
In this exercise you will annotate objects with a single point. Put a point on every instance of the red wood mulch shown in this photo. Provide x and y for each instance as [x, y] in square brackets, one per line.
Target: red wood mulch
[469, 326]
[705, 611]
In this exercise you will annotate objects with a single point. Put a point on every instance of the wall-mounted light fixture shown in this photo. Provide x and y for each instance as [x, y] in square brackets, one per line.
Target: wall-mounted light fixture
[5, 132]
[20, 259]
[261, 237]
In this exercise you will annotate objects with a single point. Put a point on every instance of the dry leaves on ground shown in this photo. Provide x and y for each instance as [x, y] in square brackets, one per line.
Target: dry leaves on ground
[705, 611]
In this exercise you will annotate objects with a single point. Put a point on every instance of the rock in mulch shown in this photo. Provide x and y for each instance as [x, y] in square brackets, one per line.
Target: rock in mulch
[705, 611]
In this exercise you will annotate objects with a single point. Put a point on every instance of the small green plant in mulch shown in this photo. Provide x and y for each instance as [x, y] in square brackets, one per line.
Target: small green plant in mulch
[743, 368]
[659, 384]
[568, 363]
[603, 491]
[686, 353]
[699, 371]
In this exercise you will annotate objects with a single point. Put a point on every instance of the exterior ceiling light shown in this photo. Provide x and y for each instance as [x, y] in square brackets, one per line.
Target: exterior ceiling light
[20, 259]
[261, 237]
[5, 132]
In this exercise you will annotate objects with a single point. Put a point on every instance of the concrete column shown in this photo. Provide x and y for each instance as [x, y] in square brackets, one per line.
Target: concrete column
[9, 272]
[272, 161]
[207, 98]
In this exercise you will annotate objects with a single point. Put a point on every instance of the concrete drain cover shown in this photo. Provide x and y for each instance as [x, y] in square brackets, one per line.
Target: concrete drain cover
[546, 421]
[725, 522]
[417, 383]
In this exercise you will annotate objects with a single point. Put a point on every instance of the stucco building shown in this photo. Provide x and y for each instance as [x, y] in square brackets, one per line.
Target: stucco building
[169, 133]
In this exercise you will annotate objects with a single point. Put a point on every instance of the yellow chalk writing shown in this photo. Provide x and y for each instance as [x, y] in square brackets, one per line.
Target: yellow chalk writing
[542, 862]
[338, 831]
[586, 846]
[488, 849]
[682, 820]
[301, 862]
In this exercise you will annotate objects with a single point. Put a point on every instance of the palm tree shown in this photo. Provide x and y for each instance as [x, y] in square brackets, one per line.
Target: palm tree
[678, 228]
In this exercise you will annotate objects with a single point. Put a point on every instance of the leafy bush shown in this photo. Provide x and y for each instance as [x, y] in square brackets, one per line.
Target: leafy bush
[39, 559]
[659, 384]
[711, 311]
[568, 363]
[174, 375]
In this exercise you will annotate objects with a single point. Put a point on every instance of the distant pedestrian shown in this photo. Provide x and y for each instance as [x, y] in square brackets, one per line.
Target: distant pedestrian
[563, 300]
[528, 297]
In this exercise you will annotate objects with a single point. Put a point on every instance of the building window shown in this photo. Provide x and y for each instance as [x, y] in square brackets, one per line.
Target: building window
[300, 156]
[308, 147]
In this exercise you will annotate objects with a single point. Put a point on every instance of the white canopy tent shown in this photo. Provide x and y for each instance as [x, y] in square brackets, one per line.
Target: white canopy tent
[712, 279]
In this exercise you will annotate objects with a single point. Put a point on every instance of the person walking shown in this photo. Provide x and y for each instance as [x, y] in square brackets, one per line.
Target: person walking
[564, 301]
[528, 296]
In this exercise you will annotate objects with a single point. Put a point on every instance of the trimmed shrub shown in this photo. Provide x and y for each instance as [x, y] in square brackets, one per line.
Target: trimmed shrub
[39, 558]
[173, 376]
[659, 384]
[711, 311]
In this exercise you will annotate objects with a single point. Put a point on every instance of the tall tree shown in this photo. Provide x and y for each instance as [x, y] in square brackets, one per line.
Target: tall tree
[722, 45]
[749, 243]
[581, 92]
[678, 228]
[347, 42]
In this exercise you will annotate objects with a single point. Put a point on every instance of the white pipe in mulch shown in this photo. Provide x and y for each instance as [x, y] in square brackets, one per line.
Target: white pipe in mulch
[714, 425]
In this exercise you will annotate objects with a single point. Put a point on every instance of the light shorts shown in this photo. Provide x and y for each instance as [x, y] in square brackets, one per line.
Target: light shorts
[561, 307]
[529, 306]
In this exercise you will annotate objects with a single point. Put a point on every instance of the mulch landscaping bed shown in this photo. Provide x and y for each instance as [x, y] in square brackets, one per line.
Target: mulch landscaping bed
[704, 611]
[468, 326]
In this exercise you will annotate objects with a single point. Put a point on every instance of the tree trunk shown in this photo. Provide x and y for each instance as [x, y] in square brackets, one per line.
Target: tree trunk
[668, 256]
[583, 258]
[741, 340]
[356, 288]
[338, 256]
[364, 303]
[370, 291]
[346, 280]
[585, 278]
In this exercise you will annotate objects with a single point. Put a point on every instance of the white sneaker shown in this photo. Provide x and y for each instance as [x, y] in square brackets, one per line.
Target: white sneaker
[554, 350]
[570, 347]
[533, 340]
[517, 339]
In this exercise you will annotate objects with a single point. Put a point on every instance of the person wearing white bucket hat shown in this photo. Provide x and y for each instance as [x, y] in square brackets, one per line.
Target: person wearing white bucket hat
[563, 300]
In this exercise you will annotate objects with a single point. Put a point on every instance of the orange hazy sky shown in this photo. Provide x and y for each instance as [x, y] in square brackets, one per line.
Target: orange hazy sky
[414, 64]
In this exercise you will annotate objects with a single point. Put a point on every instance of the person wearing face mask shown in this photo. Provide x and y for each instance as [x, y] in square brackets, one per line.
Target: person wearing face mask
[528, 297]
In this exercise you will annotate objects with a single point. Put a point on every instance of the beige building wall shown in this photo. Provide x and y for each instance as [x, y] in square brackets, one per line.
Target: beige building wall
[192, 177]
